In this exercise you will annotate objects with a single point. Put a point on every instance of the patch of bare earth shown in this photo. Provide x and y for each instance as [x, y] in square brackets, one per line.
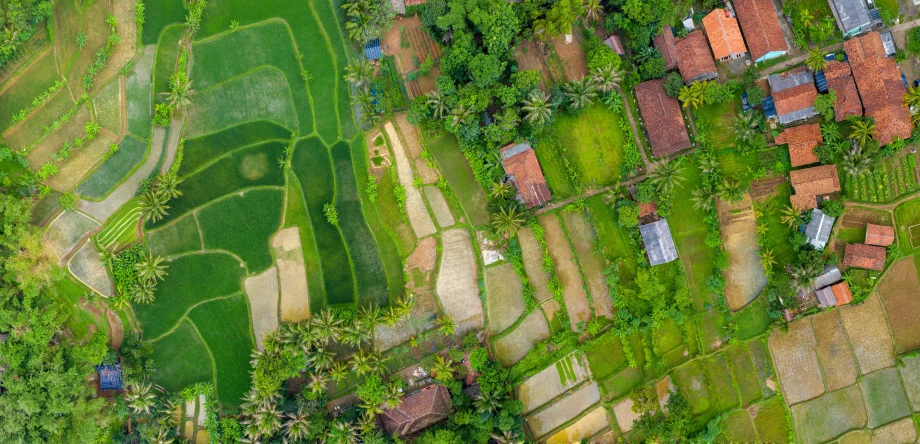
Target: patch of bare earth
[410, 45]
[439, 206]
[116, 329]
[512, 347]
[898, 432]
[80, 164]
[527, 56]
[586, 426]
[900, 294]
[52, 143]
[625, 414]
[564, 410]
[292, 275]
[834, 351]
[420, 264]
[573, 58]
[532, 252]
[868, 332]
[585, 240]
[794, 356]
[65, 232]
[415, 207]
[420, 320]
[745, 278]
[503, 297]
[457, 286]
[547, 384]
[262, 291]
[123, 10]
[87, 266]
[576, 300]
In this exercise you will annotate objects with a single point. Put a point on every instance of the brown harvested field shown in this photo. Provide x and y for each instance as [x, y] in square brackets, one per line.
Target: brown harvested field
[408, 41]
[745, 278]
[262, 292]
[65, 232]
[796, 362]
[528, 57]
[899, 292]
[547, 384]
[869, 336]
[858, 217]
[457, 286]
[763, 189]
[511, 348]
[87, 266]
[570, 55]
[123, 10]
[503, 296]
[586, 426]
[564, 410]
[80, 164]
[415, 206]
[292, 275]
[410, 135]
[439, 206]
[829, 416]
[585, 240]
[533, 264]
[898, 432]
[625, 415]
[420, 320]
[576, 300]
[834, 351]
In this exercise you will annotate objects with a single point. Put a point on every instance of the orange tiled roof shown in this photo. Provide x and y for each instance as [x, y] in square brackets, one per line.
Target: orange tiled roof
[809, 183]
[417, 410]
[869, 257]
[760, 24]
[842, 293]
[694, 59]
[795, 98]
[522, 165]
[723, 33]
[840, 80]
[646, 209]
[880, 235]
[665, 44]
[880, 87]
[662, 117]
[802, 141]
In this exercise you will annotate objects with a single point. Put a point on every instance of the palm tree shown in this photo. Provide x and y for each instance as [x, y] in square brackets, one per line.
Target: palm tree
[322, 358]
[790, 216]
[862, 130]
[507, 220]
[140, 398]
[443, 368]
[369, 317]
[605, 80]
[161, 437]
[143, 291]
[297, 427]
[318, 382]
[537, 107]
[151, 268]
[767, 261]
[487, 402]
[352, 335]
[666, 175]
[367, 423]
[168, 184]
[363, 98]
[446, 325]
[460, 114]
[359, 30]
[359, 72]
[593, 9]
[912, 98]
[268, 420]
[708, 164]
[856, 162]
[180, 91]
[153, 205]
[702, 199]
[437, 102]
[342, 432]
[405, 304]
[391, 316]
[731, 190]
[394, 397]
[693, 95]
[614, 101]
[806, 18]
[326, 326]
[502, 190]
[579, 92]
[645, 54]
[745, 125]
[815, 60]
[830, 132]
[338, 371]
[915, 118]
[362, 363]
[507, 437]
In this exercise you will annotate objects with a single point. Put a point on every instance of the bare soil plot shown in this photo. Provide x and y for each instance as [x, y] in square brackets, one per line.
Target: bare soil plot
[409, 43]
[420, 264]
[511, 348]
[123, 10]
[457, 281]
[65, 232]
[910, 375]
[262, 291]
[834, 351]
[829, 416]
[899, 292]
[292, 276]
[858, 217]
[564, 410]
[527, 56]
[584, 239]
[571, 56]
[586, 426]
[503, 296]
[68, 132]
[745, 278]
[885, 397]
[869, 336]
[532, 252]
[625, 415]
[420, 320]
[898, 432]
[576, 300]
[439, 206]
[415, 206]
[549, 383]
[87, 266]
[796, 362]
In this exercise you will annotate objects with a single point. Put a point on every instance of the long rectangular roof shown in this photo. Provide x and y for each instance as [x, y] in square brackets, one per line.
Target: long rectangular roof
[851, 14]
[662, 117]
[818, 229]
[659, 245]
[723, 33]
[694, 60]
[880, 86]
[521, 164]
[668, 48]
[760, 24]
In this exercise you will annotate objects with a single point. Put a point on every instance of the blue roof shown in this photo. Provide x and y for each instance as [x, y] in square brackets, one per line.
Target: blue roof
[769, 108]
[904, 79]
[820, 81]
[109, 377]
[372, 50]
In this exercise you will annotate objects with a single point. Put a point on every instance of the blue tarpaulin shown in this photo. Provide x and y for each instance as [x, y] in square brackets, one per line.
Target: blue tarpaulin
[821, 81]
[769, 108]
[109, 377]
[372, 50]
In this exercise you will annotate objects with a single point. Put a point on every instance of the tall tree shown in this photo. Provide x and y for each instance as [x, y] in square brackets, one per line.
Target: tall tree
[537, 108]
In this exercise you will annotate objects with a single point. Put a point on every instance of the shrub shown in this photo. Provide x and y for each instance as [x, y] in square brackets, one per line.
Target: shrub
[755, 95]
[673, 84]
[832, 208]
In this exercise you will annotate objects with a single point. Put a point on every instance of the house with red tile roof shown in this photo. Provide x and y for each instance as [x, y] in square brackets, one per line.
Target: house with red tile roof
[840, 80]
[417, 411]
[879, 235]
[523, 170]
[880, 86]
[842, 293]
[802, 141]
[662, 118]
[694, 61]
[724, 35]
[809, 183]
[794, 95]
[667, 47]
[760, 23]
[647, 209]
[613, 42]
[869, 257]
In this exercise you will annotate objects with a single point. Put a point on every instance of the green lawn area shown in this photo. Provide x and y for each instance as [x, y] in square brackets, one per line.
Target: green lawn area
[79, 319]
[772, 422]
[717, 119]
[131, 152]
[907, 215]
[611, 237]
[224, 326]
[744, 373]
[182, 359]
[34, 81]
[888, 7]
[778, 233]
[460, 177]
[605, 355]
[229, 225]
[753, 319]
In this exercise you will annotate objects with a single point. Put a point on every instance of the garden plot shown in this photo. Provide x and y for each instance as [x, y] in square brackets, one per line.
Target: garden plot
[138, 92]
[262, 291]
[177, 238]
[42, 146]
[292, 275]
[910, 375]
[108, 107]
[439, 206]
[29, 132]
[512, 347]
[902, 431]
[745, 278]
[130, 154]
[261, 95]
[576, 300]
[796, 362]
[503, 296]
[834, 351]
[829, 416]
[87, 266]
[420, 320]
[899, 292]
[124, 51]
[885, 397]
[625, 414]
[586, 426]
[532, 252]
[408, 41]
[415, 206]
[33, 80]
[570, 56]
[457, 288]
[585, 240]
[65, 232]
[869, 336]
[564, 410]
[551, 382]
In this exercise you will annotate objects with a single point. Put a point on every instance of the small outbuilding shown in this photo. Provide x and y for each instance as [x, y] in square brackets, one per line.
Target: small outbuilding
[613, 42]
[666, 45]
[828, 277]
[760, 24]
[109, 377]
[869, 257]
[834, 295]
[802, 141]
[809, 183]
[879, 235]
[372, 50]
[659, 245]
[523, 170]
[417, 411]
[852, 16]
[818, 230]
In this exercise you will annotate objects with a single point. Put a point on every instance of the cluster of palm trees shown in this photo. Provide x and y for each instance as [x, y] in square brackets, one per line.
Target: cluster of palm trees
[154, 201]
[158, 413]
[149, 270]
[364, 19]
[695, 94]
[538, 107]
[360, 74]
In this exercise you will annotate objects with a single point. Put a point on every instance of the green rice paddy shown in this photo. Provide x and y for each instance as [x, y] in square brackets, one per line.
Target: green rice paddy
[131, 153]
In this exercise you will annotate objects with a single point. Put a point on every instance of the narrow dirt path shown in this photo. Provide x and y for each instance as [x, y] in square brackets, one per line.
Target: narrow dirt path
[116, 329]
[884, 207]
[588, 194]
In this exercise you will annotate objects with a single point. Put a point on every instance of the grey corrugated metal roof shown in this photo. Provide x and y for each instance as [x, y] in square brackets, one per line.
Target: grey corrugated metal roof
[888, 42]
[830, 276]
[515, 150]
[780, 82]
[818, 230]
[826, 297]
[795, 116]
[658, 242]
[851, 14]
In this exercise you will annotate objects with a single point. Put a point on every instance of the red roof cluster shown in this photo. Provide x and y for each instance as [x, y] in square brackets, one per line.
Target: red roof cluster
[840, 80]
[663, 119]
[879, 235]
[880, 87]
[667, 47]
[802, 141]
[809, 183]
[760, 24]
[521, 165]
[869, 257]
[694, 59]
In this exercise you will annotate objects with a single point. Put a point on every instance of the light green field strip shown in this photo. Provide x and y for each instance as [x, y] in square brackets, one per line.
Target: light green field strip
[123, 221]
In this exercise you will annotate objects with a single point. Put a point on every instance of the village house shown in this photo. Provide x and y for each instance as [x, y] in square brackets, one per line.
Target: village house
[834, 295]
[694, 61]
[840, 80]
[880, 86]
[663, 121]
[613, 42]
[724, 35]
[879, 235]
[760, 24]
[818, 230]
[659, 245]
[869, 257]
[812, 183]
[793, 95]
[827, 278]
[852, 16]
[523, 170]
[417, 411]
[802, 141]
[667, 47]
